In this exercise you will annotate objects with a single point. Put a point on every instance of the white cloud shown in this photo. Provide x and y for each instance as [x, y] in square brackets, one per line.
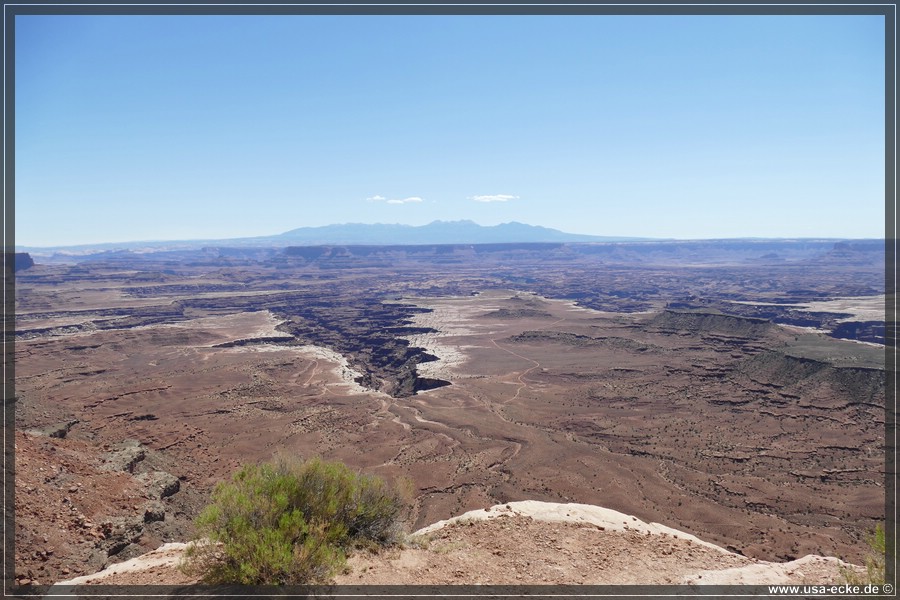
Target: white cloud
[493, 198]
[394, 200]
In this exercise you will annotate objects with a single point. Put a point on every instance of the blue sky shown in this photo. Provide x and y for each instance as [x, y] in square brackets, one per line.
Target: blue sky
[188, 127]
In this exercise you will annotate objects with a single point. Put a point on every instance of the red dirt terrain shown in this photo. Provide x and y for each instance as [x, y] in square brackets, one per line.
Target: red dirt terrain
[140, 386]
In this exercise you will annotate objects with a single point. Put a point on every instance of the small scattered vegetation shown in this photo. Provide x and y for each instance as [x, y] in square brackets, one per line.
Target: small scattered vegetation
[291, 522]
[874, 561]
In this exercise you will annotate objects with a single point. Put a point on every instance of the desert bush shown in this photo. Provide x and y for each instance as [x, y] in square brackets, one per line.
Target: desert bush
[874, 561]
[291, 522]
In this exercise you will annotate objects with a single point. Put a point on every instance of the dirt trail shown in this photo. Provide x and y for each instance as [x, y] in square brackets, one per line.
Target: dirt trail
[536, 365]
[519, 377]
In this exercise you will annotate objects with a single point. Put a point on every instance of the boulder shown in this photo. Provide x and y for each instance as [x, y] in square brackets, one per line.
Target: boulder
[160, 484]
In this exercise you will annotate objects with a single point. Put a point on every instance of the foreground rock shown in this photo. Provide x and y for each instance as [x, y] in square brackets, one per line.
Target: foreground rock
[79, 510]
[157, 567]
[547, 543]
[525, 543]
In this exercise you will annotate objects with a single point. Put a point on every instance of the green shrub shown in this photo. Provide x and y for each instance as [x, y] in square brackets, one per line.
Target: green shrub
[289, 522]
[874, 561]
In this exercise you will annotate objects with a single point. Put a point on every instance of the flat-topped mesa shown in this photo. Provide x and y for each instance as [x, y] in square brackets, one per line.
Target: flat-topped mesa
[854, 252]
[861, 384]
[712, 322]
[20, 261]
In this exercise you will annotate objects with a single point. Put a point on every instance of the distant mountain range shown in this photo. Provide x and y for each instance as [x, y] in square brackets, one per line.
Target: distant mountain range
[436, 232]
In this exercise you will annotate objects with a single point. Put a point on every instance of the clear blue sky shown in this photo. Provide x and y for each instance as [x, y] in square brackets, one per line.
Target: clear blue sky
[186, 127]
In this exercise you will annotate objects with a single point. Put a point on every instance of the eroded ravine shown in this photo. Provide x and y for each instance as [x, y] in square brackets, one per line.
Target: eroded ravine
[211, 385]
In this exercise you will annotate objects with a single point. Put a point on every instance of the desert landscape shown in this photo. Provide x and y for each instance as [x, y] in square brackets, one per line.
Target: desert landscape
[428, 295]
[733, 390]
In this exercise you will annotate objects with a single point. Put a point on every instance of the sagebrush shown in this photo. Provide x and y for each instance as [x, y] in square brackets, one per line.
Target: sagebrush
[875, 561]
[291, 522]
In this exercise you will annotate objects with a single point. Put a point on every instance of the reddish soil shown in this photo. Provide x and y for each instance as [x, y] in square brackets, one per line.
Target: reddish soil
[759, 438]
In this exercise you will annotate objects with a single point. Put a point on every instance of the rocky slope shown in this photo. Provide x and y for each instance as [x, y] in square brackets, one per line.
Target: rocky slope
[77, 512]
[528, 543]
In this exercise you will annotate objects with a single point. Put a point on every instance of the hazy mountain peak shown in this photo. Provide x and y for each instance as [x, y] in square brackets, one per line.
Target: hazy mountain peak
[464, 231]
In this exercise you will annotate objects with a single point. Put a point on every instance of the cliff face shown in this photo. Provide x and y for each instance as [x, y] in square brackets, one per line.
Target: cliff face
[827, 386]
[857, 252]
[712, 322]
[22, 261]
